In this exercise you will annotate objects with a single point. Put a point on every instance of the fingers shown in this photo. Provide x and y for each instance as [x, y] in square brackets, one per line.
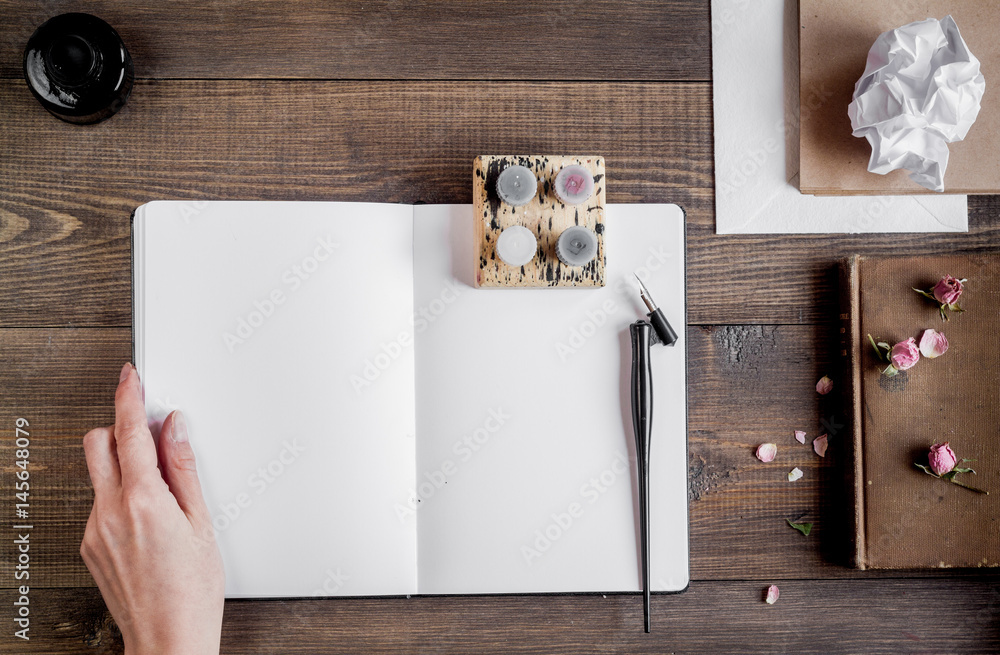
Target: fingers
[178, 465]
[136, 450]
[102, 461]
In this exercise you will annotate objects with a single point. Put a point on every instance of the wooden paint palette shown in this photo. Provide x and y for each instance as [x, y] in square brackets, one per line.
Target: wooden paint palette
[546, 216]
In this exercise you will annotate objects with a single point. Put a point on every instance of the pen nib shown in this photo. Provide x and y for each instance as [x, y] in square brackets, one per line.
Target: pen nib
[644, 294]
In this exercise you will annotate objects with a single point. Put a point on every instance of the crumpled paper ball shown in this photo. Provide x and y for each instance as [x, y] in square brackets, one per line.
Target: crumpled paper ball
[921, 90]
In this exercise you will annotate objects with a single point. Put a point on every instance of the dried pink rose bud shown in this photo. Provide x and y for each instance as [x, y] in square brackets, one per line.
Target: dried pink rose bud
[933, 344]
[819, 445]
[800, 436]
[948, 290]
[905, 354]
[824, 386]
[766, 452]
[772, 594]
[942, 458]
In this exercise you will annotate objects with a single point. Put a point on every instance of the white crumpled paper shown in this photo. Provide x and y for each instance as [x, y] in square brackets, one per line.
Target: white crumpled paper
[921, 91]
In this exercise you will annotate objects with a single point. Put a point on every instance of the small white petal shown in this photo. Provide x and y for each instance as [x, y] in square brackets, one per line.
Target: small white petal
[772, 594]
[800, 436]
[933, 344]
[794, 474]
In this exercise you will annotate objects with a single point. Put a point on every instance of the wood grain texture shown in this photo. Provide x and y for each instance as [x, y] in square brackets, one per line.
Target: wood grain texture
[871, 616]
[64, 230]
[68, 191]
[748, 385]
[62, 382]
[391, 39]
[762, 307]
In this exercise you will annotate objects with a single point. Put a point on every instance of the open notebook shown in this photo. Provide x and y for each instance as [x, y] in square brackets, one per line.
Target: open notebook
[366, 422]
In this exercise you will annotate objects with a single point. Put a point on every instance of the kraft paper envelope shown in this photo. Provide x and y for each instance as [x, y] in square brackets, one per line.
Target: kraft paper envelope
[755, 83]
[835, 38]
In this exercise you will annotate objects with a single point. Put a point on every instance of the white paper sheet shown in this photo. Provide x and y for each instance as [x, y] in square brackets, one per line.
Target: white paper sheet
[522, 437]
[756, 95]
[275, 421]
[522, 394]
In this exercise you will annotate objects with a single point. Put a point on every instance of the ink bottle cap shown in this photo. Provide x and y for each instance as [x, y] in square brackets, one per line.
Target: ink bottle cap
[516, 246]
[574, 184]
[517, 185]
[577, 246]
[78, 68]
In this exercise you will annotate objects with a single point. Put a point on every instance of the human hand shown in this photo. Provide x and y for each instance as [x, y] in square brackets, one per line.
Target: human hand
[149, 542]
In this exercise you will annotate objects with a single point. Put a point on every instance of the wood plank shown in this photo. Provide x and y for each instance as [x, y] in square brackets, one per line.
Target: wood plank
[792, 278]
[392, 39]
[68, 190]
[64, 240]
[836, 616]
[748, 385]
[62, 382]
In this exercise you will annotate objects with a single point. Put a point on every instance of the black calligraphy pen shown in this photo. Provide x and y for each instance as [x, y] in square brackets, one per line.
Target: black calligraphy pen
[645, 333]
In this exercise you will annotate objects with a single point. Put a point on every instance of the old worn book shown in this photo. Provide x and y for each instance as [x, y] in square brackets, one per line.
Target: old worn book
[903, 517]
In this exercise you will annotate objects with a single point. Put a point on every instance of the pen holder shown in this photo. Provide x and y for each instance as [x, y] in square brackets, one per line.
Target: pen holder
[546, 214]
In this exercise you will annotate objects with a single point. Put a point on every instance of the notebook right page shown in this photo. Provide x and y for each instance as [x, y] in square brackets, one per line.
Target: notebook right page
[525, 450]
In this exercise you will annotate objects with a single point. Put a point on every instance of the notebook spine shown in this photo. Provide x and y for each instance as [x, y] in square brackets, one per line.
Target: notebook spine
[850, 345]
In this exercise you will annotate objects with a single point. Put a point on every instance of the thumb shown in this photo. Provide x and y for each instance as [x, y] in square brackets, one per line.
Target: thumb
[178, 465]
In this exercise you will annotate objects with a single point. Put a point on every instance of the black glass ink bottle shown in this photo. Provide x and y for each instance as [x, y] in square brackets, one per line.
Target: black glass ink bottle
[78, 68]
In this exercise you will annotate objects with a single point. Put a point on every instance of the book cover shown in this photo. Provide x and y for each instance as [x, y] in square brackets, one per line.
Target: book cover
[904, 518]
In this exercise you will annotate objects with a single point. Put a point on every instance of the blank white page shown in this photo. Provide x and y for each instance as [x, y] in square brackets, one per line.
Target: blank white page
[275, 328]
[525, 448]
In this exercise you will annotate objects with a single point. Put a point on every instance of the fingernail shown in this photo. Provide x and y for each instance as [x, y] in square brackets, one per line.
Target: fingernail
[125, 371]
[180, 432]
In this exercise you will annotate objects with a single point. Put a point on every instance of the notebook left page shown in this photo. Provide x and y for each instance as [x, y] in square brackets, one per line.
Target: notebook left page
[276, 328]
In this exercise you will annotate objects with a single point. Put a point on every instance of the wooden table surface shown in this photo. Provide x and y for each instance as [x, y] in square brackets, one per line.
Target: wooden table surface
[390, 101]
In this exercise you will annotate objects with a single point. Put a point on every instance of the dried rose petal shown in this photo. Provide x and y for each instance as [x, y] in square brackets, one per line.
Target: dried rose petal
[824, 386]
[819, 445]
[772, 594]
[800, 436]
[933, 344]
[794, 474]
[767, 451]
